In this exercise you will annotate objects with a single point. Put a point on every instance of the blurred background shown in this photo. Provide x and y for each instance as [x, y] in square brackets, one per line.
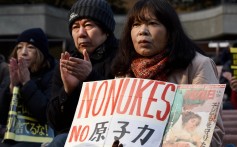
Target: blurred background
[210, 23]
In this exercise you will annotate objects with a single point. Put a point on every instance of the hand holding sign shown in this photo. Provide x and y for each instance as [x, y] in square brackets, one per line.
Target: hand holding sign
[233, 83]
[116, 144]
[227, 75]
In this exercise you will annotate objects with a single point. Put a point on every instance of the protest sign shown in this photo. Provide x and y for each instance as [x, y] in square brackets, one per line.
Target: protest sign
[22, 126]
[136, 111]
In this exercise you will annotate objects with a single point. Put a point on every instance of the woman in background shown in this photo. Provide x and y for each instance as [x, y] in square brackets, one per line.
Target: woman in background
[30, 68]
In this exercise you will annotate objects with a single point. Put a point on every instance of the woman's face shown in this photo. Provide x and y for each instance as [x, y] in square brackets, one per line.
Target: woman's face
[150, 37]
[192, 124]
[87, 35]
[27, 52]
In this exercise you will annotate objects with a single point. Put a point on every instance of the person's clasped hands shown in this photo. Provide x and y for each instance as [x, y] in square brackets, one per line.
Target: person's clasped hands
[19, 72]
[74, 70]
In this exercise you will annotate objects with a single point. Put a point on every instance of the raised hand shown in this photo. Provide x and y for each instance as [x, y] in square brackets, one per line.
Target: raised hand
[23, 71]
[13, 71]
[69, 81]
[74, 70]
[80, 68]
[19, 72]
[233, 83]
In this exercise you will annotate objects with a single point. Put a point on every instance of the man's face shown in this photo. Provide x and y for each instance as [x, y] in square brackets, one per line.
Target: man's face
[87, 35]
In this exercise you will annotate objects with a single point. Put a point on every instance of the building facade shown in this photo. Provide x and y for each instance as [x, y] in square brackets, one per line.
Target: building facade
[217, 24]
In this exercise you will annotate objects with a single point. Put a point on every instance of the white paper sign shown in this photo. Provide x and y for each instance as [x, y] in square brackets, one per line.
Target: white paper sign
[135, 111]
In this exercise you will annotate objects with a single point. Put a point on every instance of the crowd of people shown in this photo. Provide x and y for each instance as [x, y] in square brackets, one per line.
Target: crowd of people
[153, 46]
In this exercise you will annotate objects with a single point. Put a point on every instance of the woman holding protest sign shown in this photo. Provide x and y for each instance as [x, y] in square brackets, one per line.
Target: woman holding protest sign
[91, 24]
[155, 46]
[30, 67]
